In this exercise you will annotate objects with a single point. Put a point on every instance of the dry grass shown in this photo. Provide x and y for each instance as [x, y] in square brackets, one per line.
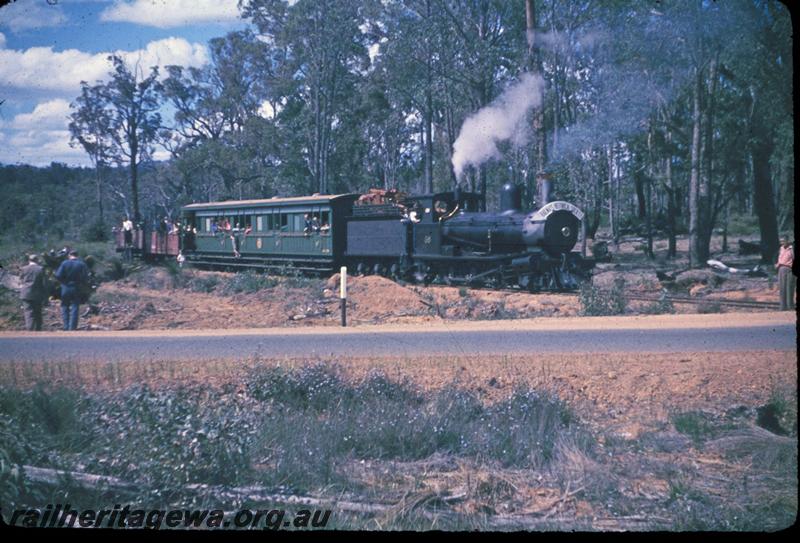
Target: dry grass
[637, 388]
[639, 473]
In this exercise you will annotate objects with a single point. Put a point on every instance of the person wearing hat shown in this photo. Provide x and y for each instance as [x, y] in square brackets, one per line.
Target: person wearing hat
[33, 293]
[73, 274]
[785, 277]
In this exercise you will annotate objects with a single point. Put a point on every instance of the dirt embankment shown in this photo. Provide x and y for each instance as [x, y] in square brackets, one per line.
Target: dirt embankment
[152, 298]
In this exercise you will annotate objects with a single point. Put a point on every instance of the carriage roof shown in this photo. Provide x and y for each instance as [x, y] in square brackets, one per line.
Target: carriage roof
[320, 199]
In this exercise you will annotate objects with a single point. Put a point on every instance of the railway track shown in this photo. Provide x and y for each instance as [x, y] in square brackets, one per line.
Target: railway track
[745, 304]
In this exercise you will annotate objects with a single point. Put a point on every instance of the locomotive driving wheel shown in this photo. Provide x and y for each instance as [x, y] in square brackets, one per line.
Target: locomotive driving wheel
[498, 280]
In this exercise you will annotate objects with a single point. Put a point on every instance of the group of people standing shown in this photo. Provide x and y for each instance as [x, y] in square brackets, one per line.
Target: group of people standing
[74, 277]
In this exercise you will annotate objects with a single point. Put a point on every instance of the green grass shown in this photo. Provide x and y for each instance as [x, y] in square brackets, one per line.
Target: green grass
[694, 424]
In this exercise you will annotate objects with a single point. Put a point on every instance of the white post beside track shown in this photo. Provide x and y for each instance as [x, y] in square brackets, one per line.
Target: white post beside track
[343, 293]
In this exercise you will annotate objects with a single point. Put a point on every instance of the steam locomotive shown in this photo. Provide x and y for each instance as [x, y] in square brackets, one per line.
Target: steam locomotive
[441, 238]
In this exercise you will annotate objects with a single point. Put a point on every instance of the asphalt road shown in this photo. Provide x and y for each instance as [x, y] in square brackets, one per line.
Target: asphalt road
[353, 342]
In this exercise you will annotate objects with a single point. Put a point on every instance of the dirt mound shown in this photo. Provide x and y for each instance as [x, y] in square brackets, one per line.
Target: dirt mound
[152, 277]
[374, 297]
[691, 278]
[643, 281]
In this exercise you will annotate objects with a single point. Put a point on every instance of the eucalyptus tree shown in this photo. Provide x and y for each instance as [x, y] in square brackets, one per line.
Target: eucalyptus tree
[326, 44]
[133, 103]
[215, 107]
[763, 70]
[90, 127]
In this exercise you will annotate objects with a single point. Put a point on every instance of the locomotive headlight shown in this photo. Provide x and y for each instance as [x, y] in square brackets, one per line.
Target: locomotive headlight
[566, 231]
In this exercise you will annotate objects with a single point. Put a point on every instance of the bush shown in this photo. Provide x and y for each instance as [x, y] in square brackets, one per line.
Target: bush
[203, 283]
[97, 231]
[168, 438]
[694, 424]
[742, 225]
[115, 269]
[175, 272]
[596, 302]
[248, 282]
[294, 278]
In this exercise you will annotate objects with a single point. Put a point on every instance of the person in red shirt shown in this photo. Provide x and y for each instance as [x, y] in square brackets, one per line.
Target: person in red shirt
[786, 280]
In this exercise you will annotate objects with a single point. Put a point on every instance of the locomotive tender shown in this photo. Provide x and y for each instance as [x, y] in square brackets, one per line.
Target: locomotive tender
[438, 237]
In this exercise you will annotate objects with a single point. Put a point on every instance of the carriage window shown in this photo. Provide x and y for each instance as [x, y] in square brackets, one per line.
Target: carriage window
[259, 223]
[207, 225]
[284, 218]
[298, 222]
[325, 222]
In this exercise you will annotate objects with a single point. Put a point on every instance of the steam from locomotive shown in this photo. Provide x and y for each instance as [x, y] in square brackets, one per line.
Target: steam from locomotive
[503, 119]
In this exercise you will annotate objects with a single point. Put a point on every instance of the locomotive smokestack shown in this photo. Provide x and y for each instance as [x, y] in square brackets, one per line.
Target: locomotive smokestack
[544, 184]
[510, 198]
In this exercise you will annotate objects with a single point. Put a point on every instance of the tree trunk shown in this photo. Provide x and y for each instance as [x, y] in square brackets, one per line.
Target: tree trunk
[429, 143]
[535, 65]
[481, 173]
[612, 195]
[428, 112]
[316, 159]
[763, 197]
[725, 228]
[706, 179]
[99, 183]
[695, 220]
[598, 204]
[648, 217]
[672, 204]
[638, 181]
[786, 200]
[135, 180]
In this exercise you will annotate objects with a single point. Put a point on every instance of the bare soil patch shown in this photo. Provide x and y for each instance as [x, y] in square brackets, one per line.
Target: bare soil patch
[161, 298]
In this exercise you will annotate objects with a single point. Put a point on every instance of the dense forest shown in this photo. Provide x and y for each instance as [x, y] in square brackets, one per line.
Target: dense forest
[669, 117]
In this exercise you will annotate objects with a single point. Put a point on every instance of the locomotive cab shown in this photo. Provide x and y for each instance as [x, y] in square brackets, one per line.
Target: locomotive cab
[438, 207]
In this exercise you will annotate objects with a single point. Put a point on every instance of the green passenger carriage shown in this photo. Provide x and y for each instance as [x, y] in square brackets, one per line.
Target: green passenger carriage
[306, 233]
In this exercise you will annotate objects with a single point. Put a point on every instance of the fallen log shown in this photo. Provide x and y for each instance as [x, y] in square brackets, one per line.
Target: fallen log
[255, 494]
[85, 481]
[89, 481]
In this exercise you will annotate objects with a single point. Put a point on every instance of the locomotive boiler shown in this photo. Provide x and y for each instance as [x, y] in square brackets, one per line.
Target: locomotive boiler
[553, 227]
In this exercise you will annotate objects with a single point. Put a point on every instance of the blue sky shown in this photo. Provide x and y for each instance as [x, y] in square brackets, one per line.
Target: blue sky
[46, 50]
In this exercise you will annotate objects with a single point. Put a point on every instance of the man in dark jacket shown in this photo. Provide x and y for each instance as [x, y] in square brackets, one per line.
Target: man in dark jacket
[73, 274]
[33, 293]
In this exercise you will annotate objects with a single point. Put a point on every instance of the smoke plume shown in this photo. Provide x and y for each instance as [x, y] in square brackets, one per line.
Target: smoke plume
[499, 121]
